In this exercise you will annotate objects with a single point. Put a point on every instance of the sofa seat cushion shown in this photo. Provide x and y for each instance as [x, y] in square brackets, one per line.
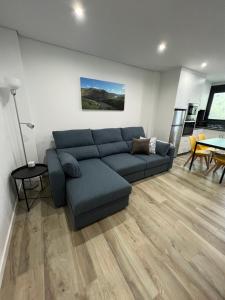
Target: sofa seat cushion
[97, 186]
[153, 160]
[125, 163]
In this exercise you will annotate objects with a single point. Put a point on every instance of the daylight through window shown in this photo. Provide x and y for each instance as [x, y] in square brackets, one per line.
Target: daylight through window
[217, 110]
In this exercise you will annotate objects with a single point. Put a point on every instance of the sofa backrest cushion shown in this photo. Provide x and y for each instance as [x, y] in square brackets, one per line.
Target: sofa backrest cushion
[73, 138]
[113, 148]
[106, 135]
[109, 141]
[130, 133]
[80, 153]
[78, 142]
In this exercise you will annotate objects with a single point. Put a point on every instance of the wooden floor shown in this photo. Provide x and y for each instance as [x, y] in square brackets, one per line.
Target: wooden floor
[168, 244]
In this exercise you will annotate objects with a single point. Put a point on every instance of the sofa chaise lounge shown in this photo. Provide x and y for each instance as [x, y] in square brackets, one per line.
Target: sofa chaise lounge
[107, 169]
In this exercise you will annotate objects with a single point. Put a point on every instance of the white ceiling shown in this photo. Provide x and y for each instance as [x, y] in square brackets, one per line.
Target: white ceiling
[129, 31]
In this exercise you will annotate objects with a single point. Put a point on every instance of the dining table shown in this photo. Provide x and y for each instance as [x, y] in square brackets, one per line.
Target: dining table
[217, 143]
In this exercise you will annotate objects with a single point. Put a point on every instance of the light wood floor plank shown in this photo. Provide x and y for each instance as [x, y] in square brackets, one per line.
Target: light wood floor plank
[168, 244]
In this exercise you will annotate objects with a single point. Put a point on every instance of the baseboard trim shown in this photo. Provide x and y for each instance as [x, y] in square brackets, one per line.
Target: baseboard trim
[7, 244]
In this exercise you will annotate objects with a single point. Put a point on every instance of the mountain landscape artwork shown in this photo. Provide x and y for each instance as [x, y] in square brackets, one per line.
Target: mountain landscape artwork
[101, 95]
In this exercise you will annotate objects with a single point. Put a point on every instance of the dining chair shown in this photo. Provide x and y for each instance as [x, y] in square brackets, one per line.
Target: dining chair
[202, 136]
[199, 153]
[219, 159]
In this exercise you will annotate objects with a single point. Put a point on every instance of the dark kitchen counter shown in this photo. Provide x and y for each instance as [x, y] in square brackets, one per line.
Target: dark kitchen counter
[211, 127]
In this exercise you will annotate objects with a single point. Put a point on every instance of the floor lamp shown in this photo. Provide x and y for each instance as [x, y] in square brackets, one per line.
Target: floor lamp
[13, 84]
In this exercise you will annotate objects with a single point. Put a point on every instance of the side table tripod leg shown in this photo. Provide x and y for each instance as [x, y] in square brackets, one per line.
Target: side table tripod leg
[17, 190]
[41, 183]
[25, 195]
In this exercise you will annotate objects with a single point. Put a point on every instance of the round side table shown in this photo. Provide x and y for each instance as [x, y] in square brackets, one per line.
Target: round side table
[24, 173]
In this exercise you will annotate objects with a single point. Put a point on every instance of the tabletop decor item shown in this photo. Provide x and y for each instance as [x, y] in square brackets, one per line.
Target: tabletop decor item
[101, 95]
[31, 164]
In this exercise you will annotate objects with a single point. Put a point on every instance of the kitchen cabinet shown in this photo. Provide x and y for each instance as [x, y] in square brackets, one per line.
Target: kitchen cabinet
[210, 134]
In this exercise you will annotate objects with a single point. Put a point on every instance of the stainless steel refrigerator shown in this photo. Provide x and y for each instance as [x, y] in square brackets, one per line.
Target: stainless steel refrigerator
[177, 128]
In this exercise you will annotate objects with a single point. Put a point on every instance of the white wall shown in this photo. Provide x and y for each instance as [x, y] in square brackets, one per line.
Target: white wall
[53, 80]
[149, 102]
[193, 87]
[11, 155]
[165, 105]
[178, 87]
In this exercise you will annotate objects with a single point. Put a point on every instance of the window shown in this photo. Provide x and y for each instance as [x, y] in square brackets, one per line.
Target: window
[215, 112]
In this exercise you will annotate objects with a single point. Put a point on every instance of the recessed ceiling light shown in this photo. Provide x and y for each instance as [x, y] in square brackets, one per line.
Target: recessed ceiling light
[204, 65]
[79, 11]
[162, 47]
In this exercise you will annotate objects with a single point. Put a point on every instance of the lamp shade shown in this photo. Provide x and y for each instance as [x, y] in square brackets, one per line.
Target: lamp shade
[30, 125]
[12, 83]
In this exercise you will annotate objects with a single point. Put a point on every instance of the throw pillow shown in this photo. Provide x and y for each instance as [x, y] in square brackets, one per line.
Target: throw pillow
[162, 148]
[140, 146]
[152, 144]
[69, 164]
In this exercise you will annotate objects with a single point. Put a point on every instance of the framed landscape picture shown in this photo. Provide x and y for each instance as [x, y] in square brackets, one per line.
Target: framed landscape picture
[101, 95]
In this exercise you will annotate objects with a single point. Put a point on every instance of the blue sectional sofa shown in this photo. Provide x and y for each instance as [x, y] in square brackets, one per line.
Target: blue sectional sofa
[107, 169]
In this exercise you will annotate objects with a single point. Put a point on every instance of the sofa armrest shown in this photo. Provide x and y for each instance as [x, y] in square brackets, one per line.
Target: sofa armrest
[162, 148]
[56, 178]
[171, 154]
[171, 151]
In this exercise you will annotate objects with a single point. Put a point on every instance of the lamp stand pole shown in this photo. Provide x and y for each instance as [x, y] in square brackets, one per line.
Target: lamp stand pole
[13, 92]
[31, 184]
